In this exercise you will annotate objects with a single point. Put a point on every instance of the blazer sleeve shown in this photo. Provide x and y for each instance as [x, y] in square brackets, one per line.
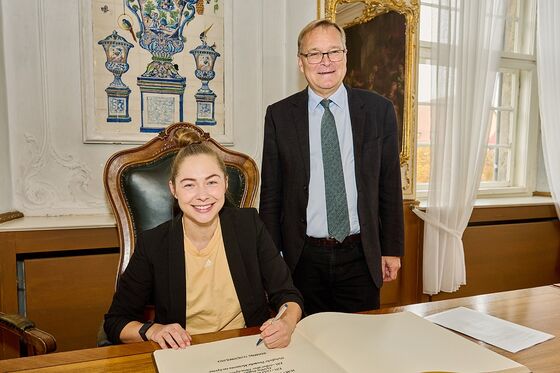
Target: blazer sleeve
[390, 190]
[132, 295]
[270, 208]
[276, 277]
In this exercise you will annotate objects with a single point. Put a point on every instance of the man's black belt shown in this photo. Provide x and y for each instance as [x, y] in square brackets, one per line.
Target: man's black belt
[329, 242]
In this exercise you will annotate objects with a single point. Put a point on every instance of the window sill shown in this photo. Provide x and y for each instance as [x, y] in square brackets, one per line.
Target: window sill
[34, 223]
[503, 202]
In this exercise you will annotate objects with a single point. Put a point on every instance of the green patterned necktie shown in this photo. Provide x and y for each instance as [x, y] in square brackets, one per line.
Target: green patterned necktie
[335, 191]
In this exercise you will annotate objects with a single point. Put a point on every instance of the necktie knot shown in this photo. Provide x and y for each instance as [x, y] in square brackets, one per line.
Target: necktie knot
[325, 103]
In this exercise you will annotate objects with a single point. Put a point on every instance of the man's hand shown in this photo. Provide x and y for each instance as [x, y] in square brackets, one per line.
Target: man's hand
[390, 266]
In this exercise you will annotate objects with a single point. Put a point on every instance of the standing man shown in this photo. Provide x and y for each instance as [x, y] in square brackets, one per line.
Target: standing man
[331, 189]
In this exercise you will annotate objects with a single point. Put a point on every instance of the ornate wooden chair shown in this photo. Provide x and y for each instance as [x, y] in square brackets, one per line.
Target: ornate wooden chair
[136, 182]
[32, 341]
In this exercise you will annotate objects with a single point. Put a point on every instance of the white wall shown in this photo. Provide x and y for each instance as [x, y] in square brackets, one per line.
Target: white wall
[52, 171]
[46, 169]
[5, 182]
[282, 21]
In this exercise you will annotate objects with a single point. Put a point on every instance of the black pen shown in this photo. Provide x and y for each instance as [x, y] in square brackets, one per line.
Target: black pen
[283, 309]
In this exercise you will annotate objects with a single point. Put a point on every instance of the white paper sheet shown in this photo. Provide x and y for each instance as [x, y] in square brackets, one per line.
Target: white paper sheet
[497, 332]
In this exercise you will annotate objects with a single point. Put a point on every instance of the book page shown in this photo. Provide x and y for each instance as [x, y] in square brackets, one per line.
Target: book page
[398, 342]
[344, 343]
[241, 354]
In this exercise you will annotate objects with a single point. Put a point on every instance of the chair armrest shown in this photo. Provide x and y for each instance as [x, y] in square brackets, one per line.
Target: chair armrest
[36, 341]
[16, 322]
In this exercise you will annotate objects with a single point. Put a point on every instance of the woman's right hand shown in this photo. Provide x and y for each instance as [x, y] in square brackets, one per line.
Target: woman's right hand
[169, 336]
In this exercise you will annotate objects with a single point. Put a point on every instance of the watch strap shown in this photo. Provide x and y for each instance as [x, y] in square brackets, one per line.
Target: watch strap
[144, 328]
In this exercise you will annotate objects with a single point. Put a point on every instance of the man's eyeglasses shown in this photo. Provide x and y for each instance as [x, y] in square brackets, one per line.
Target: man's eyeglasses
[317, 57]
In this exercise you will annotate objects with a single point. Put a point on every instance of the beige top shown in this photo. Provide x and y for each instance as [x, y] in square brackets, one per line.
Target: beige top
[212, 302]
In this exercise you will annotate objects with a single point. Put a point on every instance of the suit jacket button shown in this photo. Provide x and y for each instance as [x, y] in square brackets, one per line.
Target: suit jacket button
[305, 188]
[302, 220]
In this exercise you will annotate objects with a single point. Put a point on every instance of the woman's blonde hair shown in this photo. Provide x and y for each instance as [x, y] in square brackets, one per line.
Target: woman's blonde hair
[192, 143]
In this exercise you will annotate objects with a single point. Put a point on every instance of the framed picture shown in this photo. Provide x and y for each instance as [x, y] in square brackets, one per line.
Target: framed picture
[382, 43]
[149, 63]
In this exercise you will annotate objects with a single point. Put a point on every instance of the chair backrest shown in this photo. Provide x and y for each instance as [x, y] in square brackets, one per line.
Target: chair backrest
[32, 341]
[136, 182]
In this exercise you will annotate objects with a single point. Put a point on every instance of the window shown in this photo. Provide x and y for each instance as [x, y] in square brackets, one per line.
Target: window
[510, 164]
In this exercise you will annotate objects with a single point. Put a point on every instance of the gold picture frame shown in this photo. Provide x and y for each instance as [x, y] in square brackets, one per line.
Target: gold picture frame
[386, 64]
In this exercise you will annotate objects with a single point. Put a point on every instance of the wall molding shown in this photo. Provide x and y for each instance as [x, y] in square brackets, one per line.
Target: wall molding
[36, 190]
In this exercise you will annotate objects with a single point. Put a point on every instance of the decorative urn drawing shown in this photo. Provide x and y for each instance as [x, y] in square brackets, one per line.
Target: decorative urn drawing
[205, 57]
[116, 50]
[161, 33]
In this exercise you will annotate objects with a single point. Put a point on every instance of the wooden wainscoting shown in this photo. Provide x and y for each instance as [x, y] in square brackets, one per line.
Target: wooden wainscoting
[69, 295]
[66, 279]
[510, 247]
[406, 289]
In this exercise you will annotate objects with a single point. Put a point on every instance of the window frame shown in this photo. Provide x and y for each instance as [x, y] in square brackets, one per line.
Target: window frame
[526, 126]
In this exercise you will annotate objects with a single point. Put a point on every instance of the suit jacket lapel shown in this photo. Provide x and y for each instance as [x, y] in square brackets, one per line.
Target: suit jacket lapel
[358, 122]
[301, 123]
[177, 274]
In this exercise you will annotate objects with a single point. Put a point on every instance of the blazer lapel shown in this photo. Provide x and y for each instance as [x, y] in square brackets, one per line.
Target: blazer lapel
[177, 274]
[301, 122]
[358, 122]
[235, 258]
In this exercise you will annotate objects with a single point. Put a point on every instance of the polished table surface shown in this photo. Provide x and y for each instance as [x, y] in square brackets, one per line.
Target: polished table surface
[537, 308]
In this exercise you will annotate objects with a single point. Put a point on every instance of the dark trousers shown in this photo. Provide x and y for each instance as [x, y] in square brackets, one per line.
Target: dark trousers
[335, 278]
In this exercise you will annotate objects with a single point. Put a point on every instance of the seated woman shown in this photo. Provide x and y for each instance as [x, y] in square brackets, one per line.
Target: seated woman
[210, 268]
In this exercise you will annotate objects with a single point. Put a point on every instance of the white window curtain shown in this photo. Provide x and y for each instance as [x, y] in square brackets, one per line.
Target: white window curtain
[548, 71]
[467, 43]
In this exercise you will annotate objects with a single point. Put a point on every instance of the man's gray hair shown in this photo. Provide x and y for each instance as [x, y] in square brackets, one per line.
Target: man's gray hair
[325, 23]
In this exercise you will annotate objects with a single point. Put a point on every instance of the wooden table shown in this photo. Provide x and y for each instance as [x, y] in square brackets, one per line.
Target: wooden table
[537, 308]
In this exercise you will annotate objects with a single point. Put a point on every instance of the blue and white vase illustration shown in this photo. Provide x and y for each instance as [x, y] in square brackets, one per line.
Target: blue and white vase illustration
[116, 51]
[161, 86]
[205, 57]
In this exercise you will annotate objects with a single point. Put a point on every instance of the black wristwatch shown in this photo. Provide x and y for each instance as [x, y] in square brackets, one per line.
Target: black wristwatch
[144, 328]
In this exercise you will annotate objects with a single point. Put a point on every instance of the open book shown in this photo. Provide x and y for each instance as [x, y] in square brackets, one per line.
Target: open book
[344, 343]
